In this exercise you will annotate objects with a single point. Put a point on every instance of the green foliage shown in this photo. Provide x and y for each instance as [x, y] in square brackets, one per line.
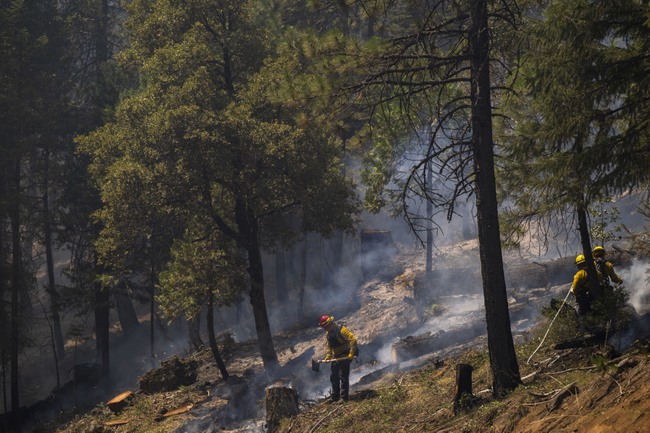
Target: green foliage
[200, 266]
[642, 239]
[468, 401]
[575, 134]
[610, 312]
[600, 362]
[606, 224]
[566, 325]
[434, 310]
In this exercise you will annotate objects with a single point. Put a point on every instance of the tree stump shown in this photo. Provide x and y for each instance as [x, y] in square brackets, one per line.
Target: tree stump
[463, 384]
[281, 402]
[120, 401]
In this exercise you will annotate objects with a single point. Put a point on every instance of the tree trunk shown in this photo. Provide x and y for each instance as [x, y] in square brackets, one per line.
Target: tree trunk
[213, 339]
[467, 222]
[337, 252]
[585, 240]
[126, 313]
[152, 312]
[249, 230]
[281, 276]
[4, 265]
[102, 324]
[193, 327]
[16, 287]
[503, 359]
[429, 260]
[51, 283]
[303, 279]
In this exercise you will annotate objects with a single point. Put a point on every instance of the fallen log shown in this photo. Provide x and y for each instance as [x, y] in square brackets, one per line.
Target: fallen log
[415, 346]
[587, 340]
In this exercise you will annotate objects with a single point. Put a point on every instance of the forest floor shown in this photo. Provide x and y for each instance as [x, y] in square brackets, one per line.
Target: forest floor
[589, 389]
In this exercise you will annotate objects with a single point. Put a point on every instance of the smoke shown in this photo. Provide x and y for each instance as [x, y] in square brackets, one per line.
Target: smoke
[636, 279]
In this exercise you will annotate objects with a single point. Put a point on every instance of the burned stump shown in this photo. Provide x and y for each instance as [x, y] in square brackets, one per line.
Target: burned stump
[281, 402]
[463, 386]
[119, 402]
[171, 375]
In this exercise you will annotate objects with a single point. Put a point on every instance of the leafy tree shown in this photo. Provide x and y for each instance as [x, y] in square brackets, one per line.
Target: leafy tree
[203, 271]
[203, 139]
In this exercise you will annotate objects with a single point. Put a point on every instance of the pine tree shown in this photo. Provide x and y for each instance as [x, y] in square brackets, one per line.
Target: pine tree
[578, 136]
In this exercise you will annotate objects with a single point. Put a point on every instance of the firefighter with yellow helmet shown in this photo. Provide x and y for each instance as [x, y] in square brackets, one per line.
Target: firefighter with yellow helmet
[583, 293]
[605, 267]
[341, 350]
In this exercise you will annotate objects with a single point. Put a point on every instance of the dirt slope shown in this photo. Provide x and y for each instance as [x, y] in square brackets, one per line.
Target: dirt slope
[612, 401]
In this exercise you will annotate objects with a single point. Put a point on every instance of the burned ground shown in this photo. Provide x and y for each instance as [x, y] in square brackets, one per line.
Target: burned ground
[568, 390]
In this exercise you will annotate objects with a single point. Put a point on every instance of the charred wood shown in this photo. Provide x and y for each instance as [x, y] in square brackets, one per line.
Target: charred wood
[415, 346]
[281, 403]
[463, 385]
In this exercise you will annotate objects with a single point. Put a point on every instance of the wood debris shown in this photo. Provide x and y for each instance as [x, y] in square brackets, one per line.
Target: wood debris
[120, 401]
[117, 422]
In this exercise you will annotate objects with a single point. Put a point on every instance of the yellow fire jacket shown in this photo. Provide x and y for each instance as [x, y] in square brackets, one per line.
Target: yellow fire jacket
[340, 343]
[580, 286]
[608, 272]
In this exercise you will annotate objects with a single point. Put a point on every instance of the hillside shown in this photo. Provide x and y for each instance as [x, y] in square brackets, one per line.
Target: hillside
[583, 389]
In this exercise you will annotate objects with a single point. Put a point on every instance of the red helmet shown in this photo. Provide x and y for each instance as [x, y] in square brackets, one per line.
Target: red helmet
[325, 320]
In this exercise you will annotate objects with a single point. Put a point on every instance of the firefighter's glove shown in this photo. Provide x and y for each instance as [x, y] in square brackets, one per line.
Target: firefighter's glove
[350, 356]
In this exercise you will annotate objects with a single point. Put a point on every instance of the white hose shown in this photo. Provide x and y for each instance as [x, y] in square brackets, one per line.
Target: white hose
[549, 326]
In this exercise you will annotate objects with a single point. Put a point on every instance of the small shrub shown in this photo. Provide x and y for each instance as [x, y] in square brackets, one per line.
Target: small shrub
[468, 401]
[566, 325]
[434, 310]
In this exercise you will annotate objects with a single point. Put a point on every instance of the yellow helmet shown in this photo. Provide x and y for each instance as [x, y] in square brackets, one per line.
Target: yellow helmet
[598, 251]
[580, 259]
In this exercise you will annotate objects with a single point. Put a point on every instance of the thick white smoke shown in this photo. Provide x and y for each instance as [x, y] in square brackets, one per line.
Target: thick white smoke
[636, 279]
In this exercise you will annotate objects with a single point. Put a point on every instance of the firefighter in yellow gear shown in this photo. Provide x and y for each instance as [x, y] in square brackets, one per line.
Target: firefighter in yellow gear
[581, 290]
[605, 267]
[341, 346]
